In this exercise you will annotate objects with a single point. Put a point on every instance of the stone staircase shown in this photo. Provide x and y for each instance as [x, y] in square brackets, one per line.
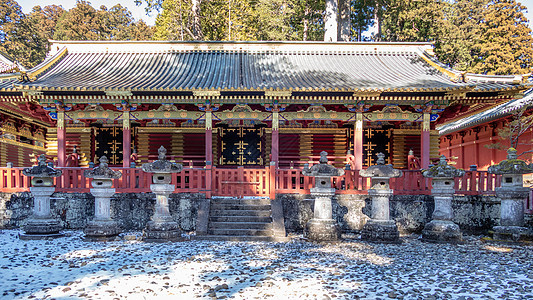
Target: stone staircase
[240, 219]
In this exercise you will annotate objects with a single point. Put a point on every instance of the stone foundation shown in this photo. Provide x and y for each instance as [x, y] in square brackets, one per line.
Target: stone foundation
[512, 234]
[160, 232]
[442, 231]
[380, 231]
[101, 230]
[322, 230]
[132, 212]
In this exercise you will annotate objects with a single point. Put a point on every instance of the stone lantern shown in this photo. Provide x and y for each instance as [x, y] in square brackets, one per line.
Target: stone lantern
[41, 225]
[380, 227]
[442, 228]
[322, 227]
[512, 194]
[162, 227]
[102, 227]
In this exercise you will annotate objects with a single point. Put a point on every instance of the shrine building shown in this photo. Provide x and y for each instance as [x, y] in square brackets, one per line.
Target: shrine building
[229, 104]
[472, 139]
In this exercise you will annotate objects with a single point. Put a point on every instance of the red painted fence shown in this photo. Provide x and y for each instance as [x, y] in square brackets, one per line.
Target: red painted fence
[260, 182]
[253, 182]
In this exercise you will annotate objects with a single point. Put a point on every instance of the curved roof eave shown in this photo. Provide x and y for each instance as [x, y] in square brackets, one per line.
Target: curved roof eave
[488, 115]
[458, 79]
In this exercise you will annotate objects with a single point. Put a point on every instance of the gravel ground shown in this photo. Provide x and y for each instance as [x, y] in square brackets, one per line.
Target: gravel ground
[69, 268]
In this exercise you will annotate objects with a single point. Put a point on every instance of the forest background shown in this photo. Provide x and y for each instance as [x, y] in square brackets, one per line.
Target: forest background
[478, 36]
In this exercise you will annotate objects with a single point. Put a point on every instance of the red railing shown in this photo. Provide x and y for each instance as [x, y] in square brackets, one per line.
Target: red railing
[252, 182]
[240, 182]
[12, 180]
[411, 183]
[299, 161]
[477, 183]
[185, 160]
[292, 181]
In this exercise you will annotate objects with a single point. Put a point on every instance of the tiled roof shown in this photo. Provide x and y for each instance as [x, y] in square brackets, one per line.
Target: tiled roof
[247, 66]
[494, 113]
[6, 63]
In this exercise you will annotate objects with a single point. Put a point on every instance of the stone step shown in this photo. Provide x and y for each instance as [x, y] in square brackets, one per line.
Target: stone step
[236, 201]
[239, 212]
[216, 206]
[240, 219]
[240, 232]
[240, 238]
[240, 225]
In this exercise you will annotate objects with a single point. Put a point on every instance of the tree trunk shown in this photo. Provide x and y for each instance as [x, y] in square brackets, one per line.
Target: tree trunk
[306, 23]
[196, 28]
[377, 21]
[330, 21]
[344, 30]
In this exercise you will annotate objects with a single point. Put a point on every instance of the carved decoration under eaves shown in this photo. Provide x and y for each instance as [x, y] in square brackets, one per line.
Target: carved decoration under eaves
[97, 113]
[93, 107]
[317, 112]
[289, 124]
[391, 113]
[241, 108]
[26, 131]
[9, 127]
[250, 123]
[323, 124]
[168, 114]
[166, 107]
[161, 123]
[392, 109]
[315, 108]
[193, 124]
[241, 112]
[39, 135]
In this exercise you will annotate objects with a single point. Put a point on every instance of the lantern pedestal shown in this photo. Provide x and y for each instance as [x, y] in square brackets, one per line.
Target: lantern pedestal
[511, 227]
[41, 225]
[102, 227]
[380, 228]
[162, 228]
[322, 227]
[442, 228]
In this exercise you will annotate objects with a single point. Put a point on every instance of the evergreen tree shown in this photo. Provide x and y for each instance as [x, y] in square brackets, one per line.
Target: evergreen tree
[241, 20]
[308, 20]
[506, 45]
[47, 18]
[80, 23]
[460, 33]
[20, 36]
[84, 22]
[362, 17]
[413, 20]
[117, 23]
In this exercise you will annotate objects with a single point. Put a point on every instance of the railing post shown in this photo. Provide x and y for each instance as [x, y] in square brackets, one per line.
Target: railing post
[272, 181]
[208, 179]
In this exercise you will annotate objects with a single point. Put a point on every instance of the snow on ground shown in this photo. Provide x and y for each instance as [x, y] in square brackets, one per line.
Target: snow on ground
[69, 268]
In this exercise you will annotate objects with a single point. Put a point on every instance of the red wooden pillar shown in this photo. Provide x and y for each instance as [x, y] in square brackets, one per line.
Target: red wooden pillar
[126, 140]
[275, 136]
[208, 136]
[275, 154]
[208, 153]
[358, 141]
[272, 181]
[61, 139]
[425, 140]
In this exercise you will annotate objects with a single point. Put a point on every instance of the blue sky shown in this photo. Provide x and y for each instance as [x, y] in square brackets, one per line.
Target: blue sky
[139, 13]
